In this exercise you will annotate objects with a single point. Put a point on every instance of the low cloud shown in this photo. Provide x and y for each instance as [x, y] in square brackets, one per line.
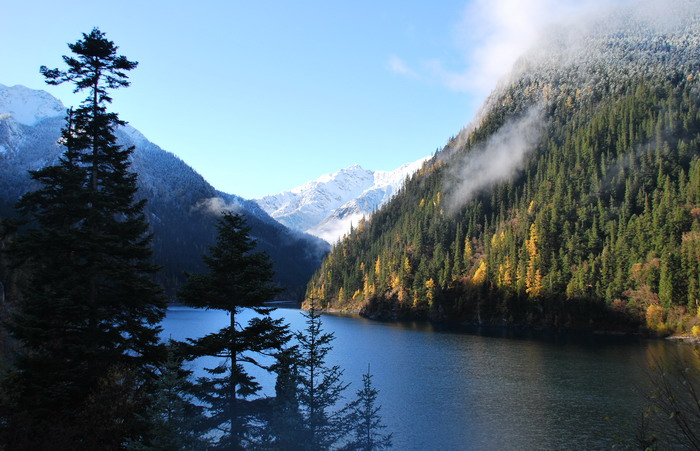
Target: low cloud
[218, 206]
[333, 230]
[490, 35]
[498, 159]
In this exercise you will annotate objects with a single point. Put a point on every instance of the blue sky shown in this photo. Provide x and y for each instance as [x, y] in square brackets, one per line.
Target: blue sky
[261, 96]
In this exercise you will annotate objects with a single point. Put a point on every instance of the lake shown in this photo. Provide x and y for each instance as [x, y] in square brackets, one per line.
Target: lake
[447, 388]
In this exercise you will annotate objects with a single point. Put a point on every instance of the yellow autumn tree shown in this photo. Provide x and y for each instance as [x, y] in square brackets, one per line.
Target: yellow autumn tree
[406, 266]
[505, 273]
[368, 288]
[468, 251]
[480, 274]
[416, 297]
[531, 207]
[394, 282]
[378, 273]
[402, 295]
[430, 291]
[533, 278]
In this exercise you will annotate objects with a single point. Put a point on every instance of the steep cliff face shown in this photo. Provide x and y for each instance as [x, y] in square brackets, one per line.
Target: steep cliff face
[573, 200]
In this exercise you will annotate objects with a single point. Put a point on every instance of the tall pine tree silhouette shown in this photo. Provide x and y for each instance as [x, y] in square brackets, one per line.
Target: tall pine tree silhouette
[87, 316]
[366, 422]
[237, 278]
[321, 386]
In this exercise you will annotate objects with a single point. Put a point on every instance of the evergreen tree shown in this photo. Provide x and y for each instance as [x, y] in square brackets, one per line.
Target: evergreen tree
[670, 282]
[285, 425]
[177, 420]
[238, 278]
[366, 421]
[321, 387]
[87, 308]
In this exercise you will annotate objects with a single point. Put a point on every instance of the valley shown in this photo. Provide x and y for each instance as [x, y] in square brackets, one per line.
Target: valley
[513, 289]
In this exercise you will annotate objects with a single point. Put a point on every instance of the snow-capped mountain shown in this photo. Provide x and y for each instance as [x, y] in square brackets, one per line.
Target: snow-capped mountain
[182, 206]
[328, 206]
[28, 106]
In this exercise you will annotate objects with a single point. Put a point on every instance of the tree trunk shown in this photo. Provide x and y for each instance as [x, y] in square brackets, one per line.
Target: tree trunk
[233, 400]
[93, 175]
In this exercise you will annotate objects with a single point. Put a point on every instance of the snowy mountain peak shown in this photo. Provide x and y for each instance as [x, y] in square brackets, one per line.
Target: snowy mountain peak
[354, 174]
[329, 205]
[29, 106]
[398, 175]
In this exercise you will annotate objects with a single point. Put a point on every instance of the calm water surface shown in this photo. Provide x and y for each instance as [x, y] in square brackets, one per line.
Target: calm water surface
[446, 389]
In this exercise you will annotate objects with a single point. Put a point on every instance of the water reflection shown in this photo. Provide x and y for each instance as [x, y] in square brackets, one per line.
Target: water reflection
[448, 387]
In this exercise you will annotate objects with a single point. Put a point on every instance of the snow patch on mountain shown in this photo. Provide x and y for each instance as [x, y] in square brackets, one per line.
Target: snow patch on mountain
[328, 206]
[10, 133]
[137, 138]
[29, 106]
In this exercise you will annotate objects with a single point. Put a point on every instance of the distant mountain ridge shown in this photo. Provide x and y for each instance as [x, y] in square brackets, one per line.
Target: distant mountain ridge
[328, 206]
[182, 206]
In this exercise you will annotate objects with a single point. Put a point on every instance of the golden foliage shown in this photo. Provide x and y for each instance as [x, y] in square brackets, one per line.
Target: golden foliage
[655, 317]
[534, 283]
[531, 207]
[498, 238]
[480, 274]
[430, 292]
[505, 273]
[533, 278]
[468, 251]
[394, 281]
[406, 266]
[403, 295]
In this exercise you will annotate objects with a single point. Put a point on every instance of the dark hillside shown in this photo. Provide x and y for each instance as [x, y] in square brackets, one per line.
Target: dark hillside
[182, 207]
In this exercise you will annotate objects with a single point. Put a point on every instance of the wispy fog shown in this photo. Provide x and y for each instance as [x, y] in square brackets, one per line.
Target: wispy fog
[217, 206]
[498, 159]
[490, 36]
[547, 38]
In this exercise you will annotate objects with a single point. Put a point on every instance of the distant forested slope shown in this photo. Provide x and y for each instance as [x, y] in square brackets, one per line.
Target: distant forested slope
[573, 202]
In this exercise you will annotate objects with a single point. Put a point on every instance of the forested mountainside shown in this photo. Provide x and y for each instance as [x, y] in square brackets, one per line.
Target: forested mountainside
[182, 207]
[573, 202]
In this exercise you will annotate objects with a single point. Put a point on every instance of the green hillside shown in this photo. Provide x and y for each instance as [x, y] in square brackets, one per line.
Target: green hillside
[574, 202]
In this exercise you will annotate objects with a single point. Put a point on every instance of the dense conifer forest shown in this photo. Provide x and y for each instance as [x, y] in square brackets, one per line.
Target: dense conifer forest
[597, 227]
